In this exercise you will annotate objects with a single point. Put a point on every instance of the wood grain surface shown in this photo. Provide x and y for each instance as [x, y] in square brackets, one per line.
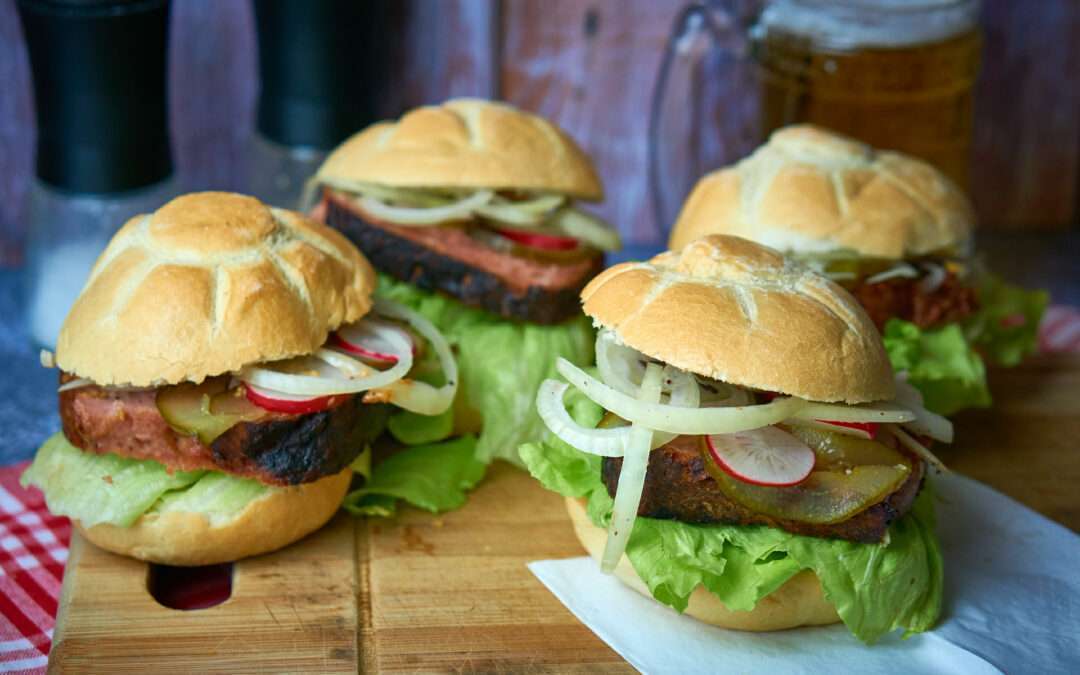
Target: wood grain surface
[451, 592]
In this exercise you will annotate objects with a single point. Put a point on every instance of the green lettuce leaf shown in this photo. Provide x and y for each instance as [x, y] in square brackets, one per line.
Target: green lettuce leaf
[501, 363]
[434, 477]
[940, 363]
[217, 495]
[1006, 326]
[876, 588]
[117, 490]
[415, 429]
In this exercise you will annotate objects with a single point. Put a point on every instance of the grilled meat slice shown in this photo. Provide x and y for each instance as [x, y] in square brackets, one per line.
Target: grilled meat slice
[905, 299]
[279, 449]
[449, 260]
[678, 487]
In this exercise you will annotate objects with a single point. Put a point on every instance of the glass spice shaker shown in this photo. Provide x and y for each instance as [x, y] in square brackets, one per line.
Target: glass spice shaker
[321, 66]
[102, 152]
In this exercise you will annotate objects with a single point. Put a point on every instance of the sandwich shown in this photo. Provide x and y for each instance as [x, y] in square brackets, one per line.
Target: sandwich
[892, 230]
[738, 453]
[223, 368]
[469, 212]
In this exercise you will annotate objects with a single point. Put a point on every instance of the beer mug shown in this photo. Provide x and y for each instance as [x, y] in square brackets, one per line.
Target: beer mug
[898, 74]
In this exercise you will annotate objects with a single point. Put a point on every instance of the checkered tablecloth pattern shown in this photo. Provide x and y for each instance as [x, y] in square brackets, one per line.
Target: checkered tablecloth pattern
[33, 550]
[34, 543]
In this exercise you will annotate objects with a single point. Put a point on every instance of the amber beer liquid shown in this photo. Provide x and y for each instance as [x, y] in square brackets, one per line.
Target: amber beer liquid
[897, 74]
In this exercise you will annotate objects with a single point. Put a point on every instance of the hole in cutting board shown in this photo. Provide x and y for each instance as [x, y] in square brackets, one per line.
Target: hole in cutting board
[190, 588]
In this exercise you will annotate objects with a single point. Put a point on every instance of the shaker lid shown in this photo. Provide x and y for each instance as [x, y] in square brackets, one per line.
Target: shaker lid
[99, 71]
[321, 64]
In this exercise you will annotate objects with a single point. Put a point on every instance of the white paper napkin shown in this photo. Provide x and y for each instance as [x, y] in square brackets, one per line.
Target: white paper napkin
[1012, 604]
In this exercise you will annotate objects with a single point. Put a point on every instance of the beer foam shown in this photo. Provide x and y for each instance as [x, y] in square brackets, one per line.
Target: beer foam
[851, 24]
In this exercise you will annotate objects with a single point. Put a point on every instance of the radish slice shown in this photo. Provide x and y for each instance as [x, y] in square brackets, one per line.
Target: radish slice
[547, 242]
[867, 430]
[368, 340]
[414, 396]
[277, 401]
[631, 476]
[767, 456]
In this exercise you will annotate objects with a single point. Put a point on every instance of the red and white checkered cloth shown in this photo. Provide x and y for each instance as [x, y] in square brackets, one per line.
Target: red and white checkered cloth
[34, 543]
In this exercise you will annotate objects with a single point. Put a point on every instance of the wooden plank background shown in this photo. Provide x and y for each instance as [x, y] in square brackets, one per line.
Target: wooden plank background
[590, 65]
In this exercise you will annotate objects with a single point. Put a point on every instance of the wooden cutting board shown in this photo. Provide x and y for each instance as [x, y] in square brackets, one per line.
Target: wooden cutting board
[452, 593]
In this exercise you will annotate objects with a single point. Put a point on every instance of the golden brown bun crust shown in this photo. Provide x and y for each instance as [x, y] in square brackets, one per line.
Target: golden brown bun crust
[465, 143]
[809, 189]
[738, 312]
[207, 284]
[283, 516]
[799, 602]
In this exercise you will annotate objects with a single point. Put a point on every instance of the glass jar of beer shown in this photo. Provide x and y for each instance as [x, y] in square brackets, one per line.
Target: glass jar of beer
[898, 74]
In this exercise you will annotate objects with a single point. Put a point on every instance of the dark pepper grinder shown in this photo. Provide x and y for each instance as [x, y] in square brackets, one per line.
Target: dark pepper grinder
[102, 138]
[321, 69]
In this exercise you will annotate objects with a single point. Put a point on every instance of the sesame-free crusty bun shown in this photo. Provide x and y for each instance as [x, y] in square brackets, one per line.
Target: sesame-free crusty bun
[810, 190]
[207, 284]
[799, 602]
[739, 312]
[465, 143]
[275, 520]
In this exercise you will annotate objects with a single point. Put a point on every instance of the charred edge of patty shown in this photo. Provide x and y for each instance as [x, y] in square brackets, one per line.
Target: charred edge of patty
[432, 271]
[678, 487]
[303, 449]
[279, 450]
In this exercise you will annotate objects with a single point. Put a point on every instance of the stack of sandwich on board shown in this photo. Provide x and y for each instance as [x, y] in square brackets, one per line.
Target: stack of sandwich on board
[892, 230]
[468, 210]
[738, 453]
[222, 369]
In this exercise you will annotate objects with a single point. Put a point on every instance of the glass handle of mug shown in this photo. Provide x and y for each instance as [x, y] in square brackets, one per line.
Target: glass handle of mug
[718, 19]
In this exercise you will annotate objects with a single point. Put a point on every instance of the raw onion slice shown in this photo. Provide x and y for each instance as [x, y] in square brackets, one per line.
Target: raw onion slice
[623, 368]
[367, 339]
[538, 204]
[420, 397]
[855, 429]
[505, 213]
[676, 419]
[610, 442]
[77, 383]
[603, 442]
[631, 475]
[834, 412]
[926, 423]
[767, 456]
[586, 227]
[935, 276]
[898, 271]
[331, 381]
[918, 448]
[405, 215]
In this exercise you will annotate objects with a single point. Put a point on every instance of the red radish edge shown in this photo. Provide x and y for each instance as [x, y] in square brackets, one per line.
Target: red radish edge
[310, 405]
[871, 428]
[363, 352]
[537, 240]
[731, 472]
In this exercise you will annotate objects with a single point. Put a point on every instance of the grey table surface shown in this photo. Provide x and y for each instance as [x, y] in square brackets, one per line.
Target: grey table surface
[28, 396]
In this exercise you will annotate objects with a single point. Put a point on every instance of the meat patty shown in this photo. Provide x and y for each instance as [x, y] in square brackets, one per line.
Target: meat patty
[449, 260]
[905, 299]
[279, 449]
[678, 487]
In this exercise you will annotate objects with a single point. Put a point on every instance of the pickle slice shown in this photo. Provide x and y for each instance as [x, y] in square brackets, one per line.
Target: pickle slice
[837, 452]
[205, 410]
[852, 474]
